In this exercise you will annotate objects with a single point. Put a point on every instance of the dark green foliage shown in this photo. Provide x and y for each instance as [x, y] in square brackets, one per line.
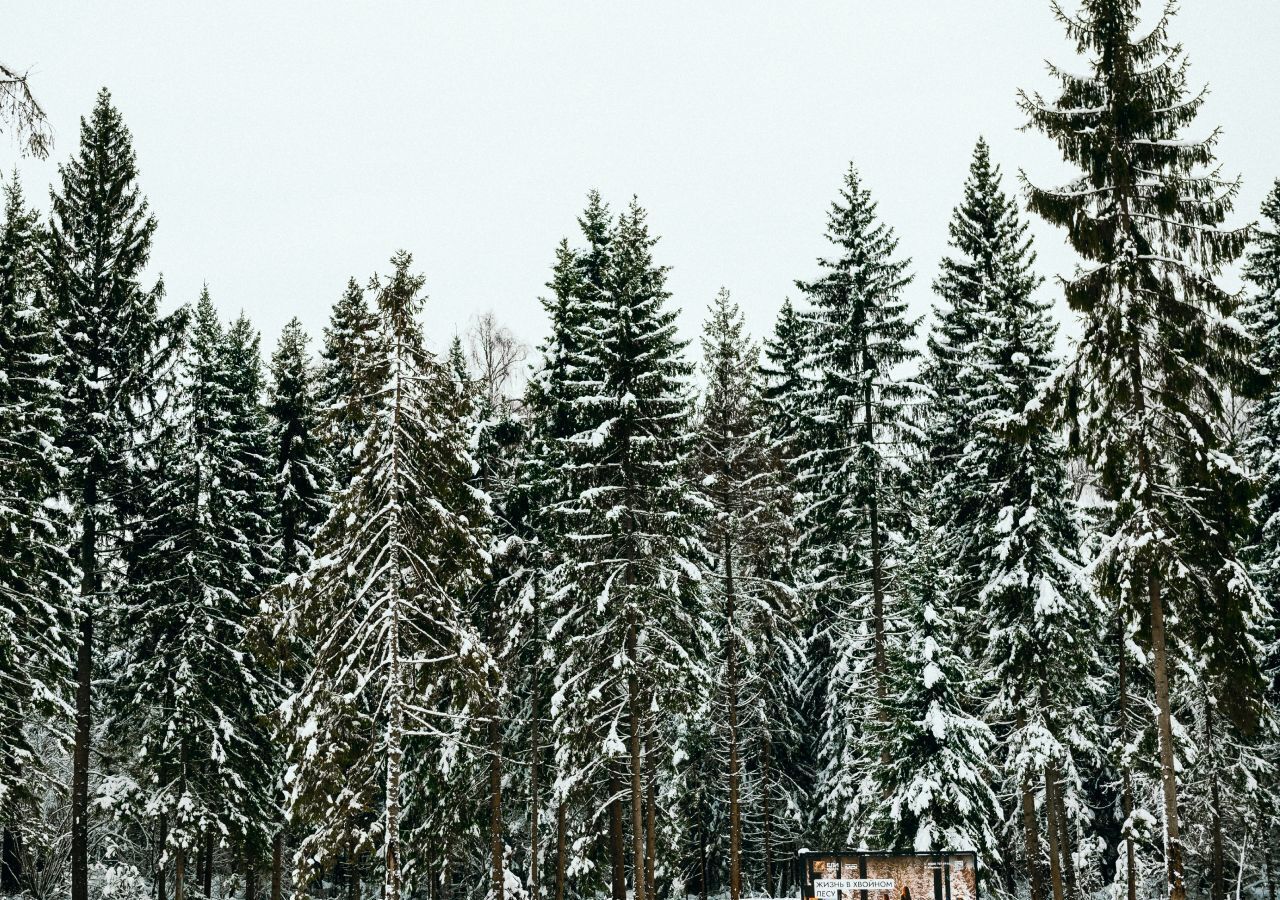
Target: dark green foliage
[855, 448]
[349, 375]
[189, 686]
[36, 627]
[301, 480]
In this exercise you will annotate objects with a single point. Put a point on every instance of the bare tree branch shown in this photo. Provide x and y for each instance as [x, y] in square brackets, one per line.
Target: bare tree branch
[23, 114]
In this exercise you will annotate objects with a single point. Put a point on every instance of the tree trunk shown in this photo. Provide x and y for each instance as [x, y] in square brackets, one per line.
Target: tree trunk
[1126, 785]
[617, 849]
[562, 849]
[353, 874]
[207, 874]
[651, 828]
[731, 686]
[637, 763]
[1064, 834]
[1051, 817]
[702, 857]
[10, 861]
[180, 874]
[277, 865]
[1269, 838]
[250, 878]
[84, 695]
[391, 883]
[161, 887]
[1031, 830]
[877, 577]
[1168, 776]
[1218, 866]
[200, 857]
[498, 882]
[534, 800]
[766, 813]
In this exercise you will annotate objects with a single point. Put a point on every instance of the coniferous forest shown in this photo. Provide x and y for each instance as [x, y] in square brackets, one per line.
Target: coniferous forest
[353, 617]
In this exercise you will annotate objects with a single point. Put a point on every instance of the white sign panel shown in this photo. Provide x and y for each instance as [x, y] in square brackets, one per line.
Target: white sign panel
[830, 886]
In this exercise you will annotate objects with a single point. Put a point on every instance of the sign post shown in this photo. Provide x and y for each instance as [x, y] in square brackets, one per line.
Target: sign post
[868, 875]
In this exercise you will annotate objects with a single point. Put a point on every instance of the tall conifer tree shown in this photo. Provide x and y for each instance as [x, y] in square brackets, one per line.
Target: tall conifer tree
[189, 686]
[112, 345]
[36, 629]
[630, 647]
[395, 661]
[1157, 350]
[854, 482]
[747, 535]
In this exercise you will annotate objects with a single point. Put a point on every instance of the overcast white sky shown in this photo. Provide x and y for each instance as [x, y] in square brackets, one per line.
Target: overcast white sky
[287, 145]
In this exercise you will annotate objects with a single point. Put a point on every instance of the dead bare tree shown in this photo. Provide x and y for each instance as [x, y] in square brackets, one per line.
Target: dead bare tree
[23, 115]
[496, 356]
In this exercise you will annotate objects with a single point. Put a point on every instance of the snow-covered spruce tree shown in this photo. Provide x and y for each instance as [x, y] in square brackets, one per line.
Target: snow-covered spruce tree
[991, 260]
[394, 658]
[630, 638]
[1036, 625]
[36, 627]
[784, 380]
[1158, 347]
[249, 479]
[1001, 494]
[188, 689]
[756, 700]
[251, 534]
[112, 345]
[588, 783]
[301, 479]
[853, 479]
[540, 482]
[1262, 440]
[934, 790]
[301, 483]
[348, 378]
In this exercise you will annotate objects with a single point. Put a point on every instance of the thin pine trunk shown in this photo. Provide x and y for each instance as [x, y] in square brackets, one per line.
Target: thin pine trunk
[1126, 786]
[84, 694]
[250, 878]
[651, 826]
[395, 752]
[277, 865]
[1268, 852]
[1155, 602]
[731, 685]
[766, 795]
[637, 763]
[562, 848]
[161, 886]
[180, 874]
[535, 751]
[498, 885]
[877, 572]
[1031, 831]
[1218, 866]
[1065, 847]
[395, 709]
[1051, 817]
[10, 861]
[702, 856]
[617, 849]
[1168, 775]
[207, 872]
